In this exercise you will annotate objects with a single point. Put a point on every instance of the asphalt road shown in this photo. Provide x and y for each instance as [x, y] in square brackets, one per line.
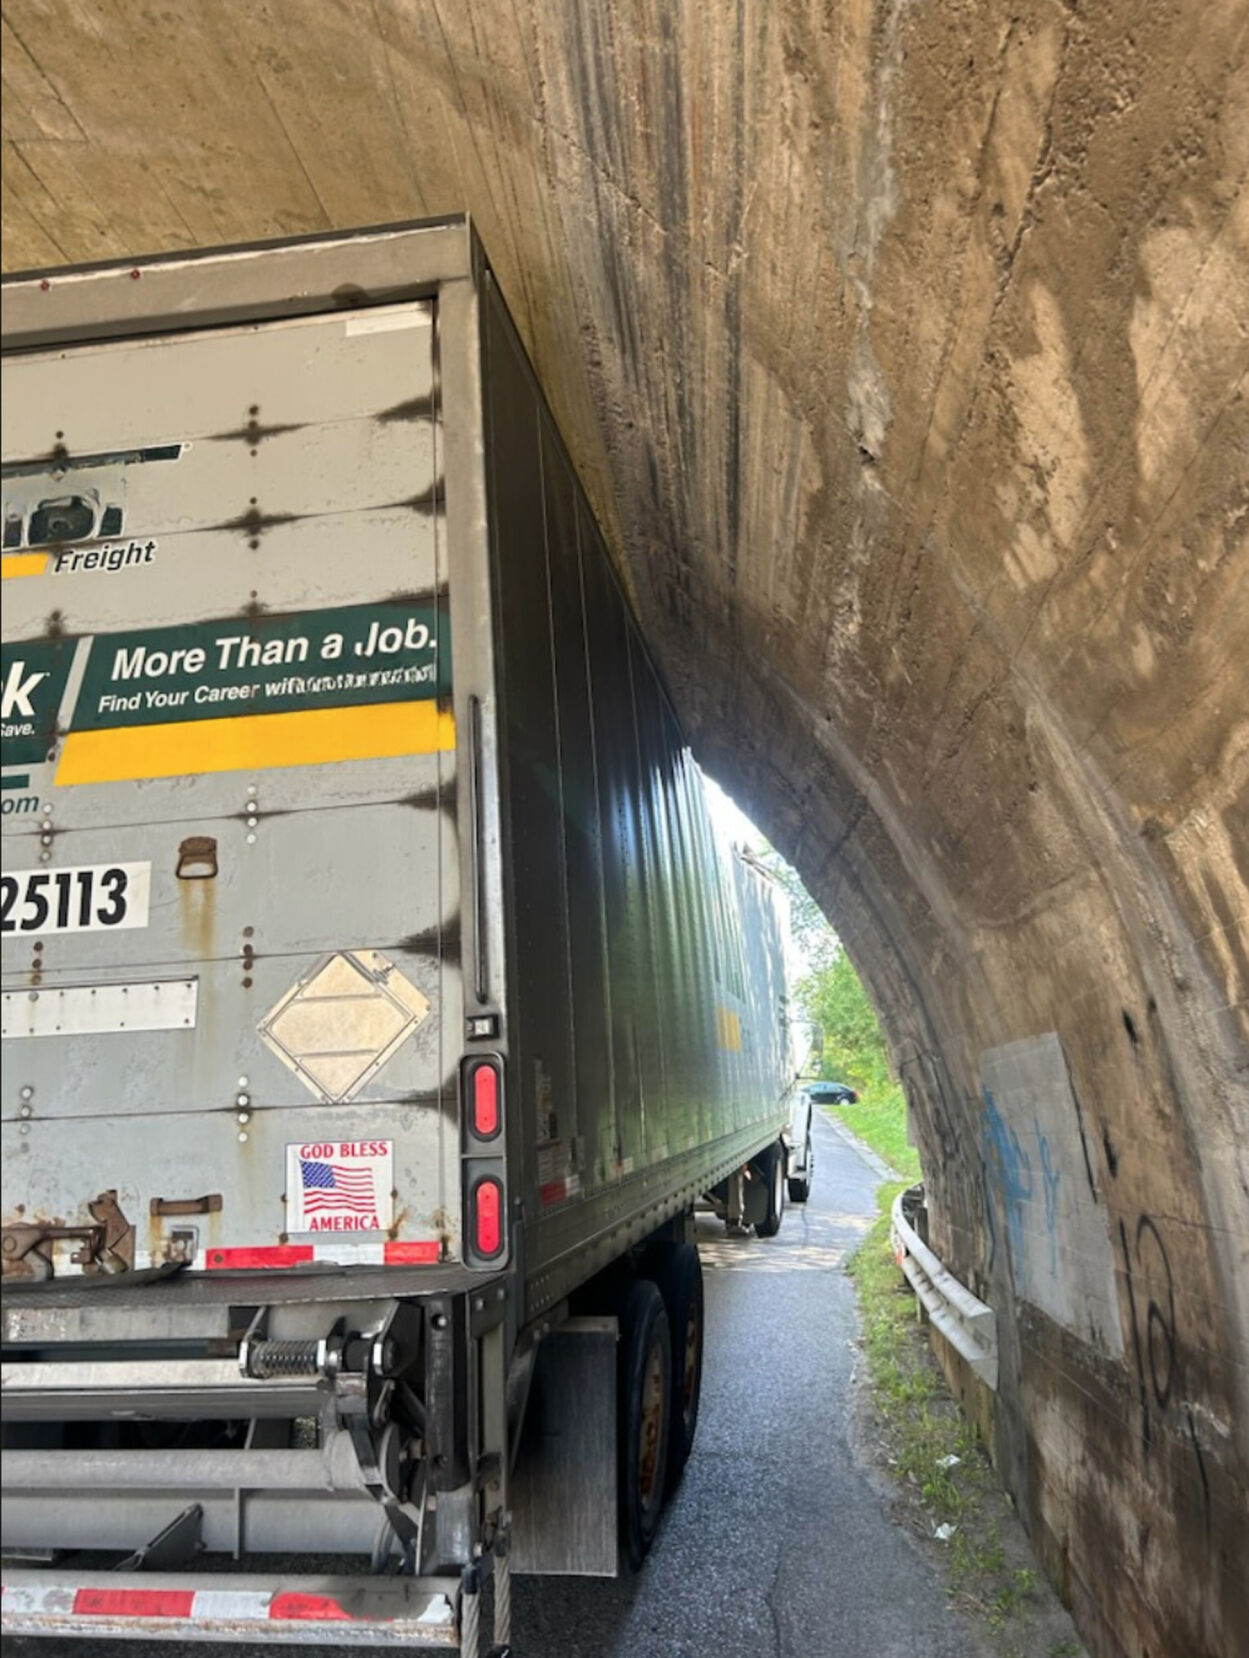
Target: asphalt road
[776, 1545]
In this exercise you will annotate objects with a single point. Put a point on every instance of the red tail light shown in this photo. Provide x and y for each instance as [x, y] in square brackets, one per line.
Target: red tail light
[483, 1098]
[488, 1217]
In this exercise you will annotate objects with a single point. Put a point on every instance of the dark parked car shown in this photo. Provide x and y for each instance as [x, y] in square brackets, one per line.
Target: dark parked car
[832, 1093]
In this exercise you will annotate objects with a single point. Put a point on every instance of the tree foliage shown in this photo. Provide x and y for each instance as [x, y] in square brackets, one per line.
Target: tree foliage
[816, 941]
[831, 993]
[854, 1044]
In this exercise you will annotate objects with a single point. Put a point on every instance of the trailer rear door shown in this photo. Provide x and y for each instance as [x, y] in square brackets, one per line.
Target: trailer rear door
[231, 894]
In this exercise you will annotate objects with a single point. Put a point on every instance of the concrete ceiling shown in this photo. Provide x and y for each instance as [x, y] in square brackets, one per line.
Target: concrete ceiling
[903, 349]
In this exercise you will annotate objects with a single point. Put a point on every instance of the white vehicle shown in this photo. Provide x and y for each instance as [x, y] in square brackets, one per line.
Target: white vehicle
[801, 1150]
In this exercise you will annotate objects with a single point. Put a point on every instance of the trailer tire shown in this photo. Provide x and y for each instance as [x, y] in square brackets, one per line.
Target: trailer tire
[772, 1167]
[679, 1274]
[644, 1400]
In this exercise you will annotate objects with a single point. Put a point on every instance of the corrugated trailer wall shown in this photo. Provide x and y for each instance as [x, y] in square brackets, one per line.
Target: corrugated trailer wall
[631, 1036]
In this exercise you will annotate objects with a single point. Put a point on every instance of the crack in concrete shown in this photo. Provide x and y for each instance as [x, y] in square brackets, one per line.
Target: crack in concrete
[57, 138]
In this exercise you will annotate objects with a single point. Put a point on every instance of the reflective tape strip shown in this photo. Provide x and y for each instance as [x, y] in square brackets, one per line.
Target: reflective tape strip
[306, 1612]
[409, 1252]
[416, 1252]
[31, 1597]
[193, 1605]
[293, 1607]
[133, 1603]
[277, 1255]
[232, 1603]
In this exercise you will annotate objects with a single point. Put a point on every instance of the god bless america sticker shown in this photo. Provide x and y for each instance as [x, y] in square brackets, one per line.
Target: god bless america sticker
[339, 1185]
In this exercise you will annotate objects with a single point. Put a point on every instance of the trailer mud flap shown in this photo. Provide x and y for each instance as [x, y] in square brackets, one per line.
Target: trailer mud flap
[564, 1483]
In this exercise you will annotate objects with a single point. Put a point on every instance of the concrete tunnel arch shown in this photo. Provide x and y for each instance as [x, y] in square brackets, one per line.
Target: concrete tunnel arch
[903, 349]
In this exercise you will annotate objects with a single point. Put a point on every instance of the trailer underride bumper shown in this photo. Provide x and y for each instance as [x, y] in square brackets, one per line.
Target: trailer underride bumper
[400, 1612]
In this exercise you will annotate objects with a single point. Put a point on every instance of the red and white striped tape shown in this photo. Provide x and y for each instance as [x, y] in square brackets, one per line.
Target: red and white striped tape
[194, 1605]
[207, 1606]
[404, 1253]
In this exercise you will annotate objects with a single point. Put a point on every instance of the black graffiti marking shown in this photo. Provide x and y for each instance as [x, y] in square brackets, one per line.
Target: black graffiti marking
[1084, 1144]
[1142, 1388]
[1156, 1320]
[1159, 1338]
[1112, 1156]
[1160, 1328]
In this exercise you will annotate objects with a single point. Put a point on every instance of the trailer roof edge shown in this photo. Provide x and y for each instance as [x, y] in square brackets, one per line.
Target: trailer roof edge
[245, 282]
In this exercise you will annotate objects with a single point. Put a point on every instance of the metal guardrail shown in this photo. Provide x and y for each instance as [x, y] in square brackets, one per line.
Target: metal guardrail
[967, 1323]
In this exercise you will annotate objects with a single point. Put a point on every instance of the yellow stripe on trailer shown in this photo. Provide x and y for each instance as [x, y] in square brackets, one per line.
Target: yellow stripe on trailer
[13, 565]
[729, 1029]
[371, 731]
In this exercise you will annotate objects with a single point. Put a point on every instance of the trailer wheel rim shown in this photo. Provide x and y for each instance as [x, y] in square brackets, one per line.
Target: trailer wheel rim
[650, 1428]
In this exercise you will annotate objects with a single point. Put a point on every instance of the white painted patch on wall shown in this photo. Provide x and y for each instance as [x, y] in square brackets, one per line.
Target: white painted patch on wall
[1045, 1208]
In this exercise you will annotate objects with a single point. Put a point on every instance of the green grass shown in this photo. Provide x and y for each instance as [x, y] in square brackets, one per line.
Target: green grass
[921, 1427]
[879, 1120]
[906, 1384]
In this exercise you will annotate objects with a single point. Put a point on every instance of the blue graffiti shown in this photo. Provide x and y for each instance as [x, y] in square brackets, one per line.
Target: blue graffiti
[1050, 1177]
[1011, 1170]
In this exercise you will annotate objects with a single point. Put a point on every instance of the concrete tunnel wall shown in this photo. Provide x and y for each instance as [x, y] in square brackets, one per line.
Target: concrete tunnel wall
[903, 347]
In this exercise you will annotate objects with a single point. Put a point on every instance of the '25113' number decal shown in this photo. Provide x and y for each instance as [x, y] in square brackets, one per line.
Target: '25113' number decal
[87, 899]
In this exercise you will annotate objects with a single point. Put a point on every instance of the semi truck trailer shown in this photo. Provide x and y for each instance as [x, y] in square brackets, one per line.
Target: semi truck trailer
[378, 1003]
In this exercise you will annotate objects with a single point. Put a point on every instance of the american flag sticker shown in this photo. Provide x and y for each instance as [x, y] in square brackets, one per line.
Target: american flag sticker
[339, 1186]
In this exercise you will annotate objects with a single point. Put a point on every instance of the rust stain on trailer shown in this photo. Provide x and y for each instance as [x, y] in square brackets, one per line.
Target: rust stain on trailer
[105, 1242]
[444, 1227]
[197, 907]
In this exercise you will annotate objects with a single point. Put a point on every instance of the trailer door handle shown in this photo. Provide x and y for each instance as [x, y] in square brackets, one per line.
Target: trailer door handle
[209, 1204]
